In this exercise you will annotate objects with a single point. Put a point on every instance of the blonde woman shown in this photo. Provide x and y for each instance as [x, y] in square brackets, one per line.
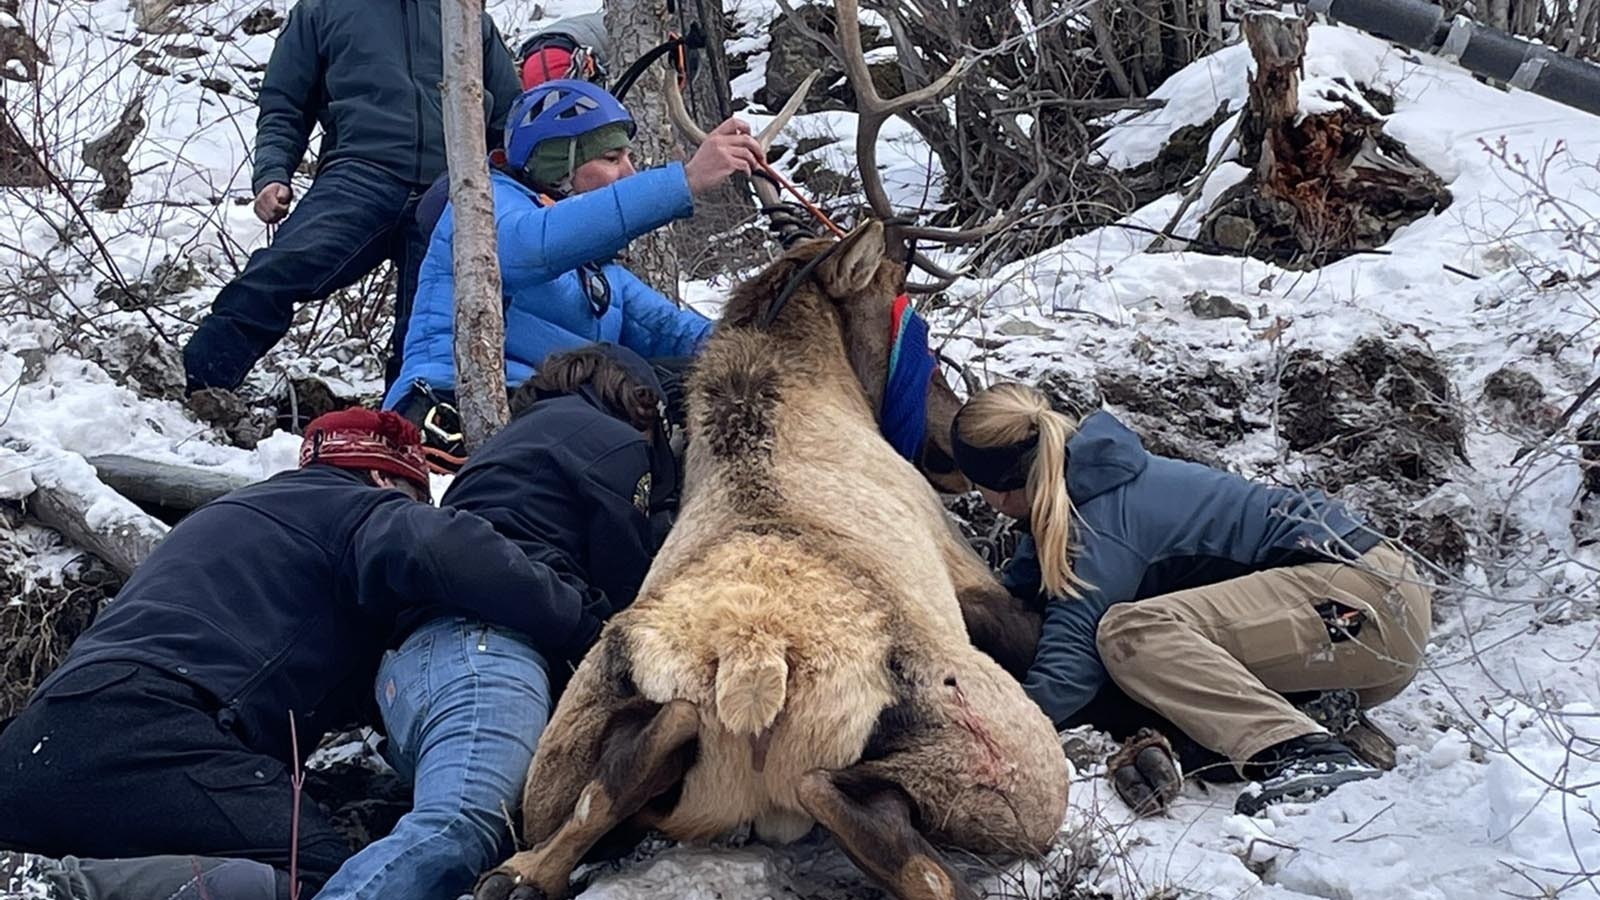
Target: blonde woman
[1244, 592]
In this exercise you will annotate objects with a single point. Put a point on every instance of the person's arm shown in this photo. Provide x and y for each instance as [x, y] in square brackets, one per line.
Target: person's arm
[653, 326]
[1021, 575]
[1067, 671]
[541, 243]
[288, 100]
[500, 80]
[409, 554]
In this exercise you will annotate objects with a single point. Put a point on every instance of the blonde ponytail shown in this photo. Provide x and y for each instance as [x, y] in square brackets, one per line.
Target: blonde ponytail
[1010, 414]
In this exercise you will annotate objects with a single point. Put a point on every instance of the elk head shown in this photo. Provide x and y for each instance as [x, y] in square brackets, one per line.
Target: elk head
[865, 272]
[825, 296]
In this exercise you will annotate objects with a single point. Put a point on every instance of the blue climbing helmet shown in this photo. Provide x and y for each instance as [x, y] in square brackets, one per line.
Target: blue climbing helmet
[561, 108]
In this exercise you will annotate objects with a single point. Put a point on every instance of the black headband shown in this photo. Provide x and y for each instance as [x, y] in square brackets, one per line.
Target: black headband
[996, 468]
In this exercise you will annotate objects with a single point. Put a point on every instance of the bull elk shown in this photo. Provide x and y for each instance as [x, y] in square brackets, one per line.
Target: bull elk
[802, 651]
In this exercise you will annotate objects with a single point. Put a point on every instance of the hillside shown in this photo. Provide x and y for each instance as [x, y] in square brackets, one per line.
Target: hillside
[1426, 382]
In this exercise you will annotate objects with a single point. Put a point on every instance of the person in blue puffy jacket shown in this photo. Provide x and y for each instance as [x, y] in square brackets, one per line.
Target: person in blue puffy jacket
[1202, 595]
[567, 200]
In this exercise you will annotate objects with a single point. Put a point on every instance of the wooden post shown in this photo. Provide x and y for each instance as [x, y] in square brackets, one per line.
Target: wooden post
[480, 327]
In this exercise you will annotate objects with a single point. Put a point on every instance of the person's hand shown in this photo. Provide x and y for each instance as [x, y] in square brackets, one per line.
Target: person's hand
[728, 149]
[1145, 773]
[272, 204]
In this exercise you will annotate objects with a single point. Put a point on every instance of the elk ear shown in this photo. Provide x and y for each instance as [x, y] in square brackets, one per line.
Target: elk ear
[850, 268]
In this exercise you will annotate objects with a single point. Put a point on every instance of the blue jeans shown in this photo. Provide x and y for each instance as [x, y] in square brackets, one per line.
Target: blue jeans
[464, 704]
[353, 217]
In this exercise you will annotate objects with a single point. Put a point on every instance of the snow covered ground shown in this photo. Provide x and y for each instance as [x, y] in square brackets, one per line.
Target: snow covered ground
[1499, 766]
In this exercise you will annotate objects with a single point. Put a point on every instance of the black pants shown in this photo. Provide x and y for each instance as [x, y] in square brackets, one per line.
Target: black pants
[119, 760]
[354, 216]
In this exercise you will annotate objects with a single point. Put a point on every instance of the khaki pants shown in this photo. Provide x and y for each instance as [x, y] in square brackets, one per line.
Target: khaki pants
[1217, 660]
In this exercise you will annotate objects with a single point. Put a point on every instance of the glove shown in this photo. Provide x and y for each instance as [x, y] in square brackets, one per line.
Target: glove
[1145, 773]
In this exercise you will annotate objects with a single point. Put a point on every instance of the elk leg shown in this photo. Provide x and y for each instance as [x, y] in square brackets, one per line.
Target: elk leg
[875, 828]
[997, 623]
[637, 764]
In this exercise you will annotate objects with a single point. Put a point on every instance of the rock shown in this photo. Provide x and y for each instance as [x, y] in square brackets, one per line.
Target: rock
[793, 54]
[105, 154]
[146, 60]
[19, 47]
[1074, 396]
[19, 165]
[1214, 306]
[168, 278]
[1517, 399]
[1233, 232]
[1023, 328]
[304, 400]
[141, 361]
[263, 21]
[229, 412]
[1588, 438]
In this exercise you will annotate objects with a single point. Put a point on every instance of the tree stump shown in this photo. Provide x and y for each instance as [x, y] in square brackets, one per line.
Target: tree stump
[1324, 184]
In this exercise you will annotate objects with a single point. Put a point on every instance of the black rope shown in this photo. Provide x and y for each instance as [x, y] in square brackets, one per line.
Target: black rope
[793, 285]
[694, 40]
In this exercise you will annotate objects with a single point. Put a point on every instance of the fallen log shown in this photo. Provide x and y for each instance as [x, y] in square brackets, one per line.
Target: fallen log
[166, 485]
[68, 498]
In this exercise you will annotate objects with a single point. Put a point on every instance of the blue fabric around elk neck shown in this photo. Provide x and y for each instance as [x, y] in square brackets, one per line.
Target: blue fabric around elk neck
[904, 419]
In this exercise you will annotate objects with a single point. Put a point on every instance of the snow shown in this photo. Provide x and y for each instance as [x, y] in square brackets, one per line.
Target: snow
[1495, 788]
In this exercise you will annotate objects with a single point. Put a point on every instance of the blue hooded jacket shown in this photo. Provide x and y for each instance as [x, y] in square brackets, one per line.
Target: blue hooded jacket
[541, 250]
[1148, 525]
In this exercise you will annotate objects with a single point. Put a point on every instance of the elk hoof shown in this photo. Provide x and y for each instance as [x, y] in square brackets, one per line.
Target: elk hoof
[503, 885]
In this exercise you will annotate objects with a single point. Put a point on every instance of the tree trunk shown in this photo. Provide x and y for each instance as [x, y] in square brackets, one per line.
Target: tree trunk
[480, 327]
[635, 26]
[710, 94]
[171, 487]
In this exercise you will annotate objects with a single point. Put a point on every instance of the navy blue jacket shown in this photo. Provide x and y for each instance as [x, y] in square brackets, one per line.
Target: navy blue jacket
[574, 487]
[369, 72]
[282, 596]
[552, 256]
[1148, 525]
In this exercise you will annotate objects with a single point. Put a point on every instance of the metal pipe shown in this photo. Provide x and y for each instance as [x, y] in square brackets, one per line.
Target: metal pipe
[1477, 48]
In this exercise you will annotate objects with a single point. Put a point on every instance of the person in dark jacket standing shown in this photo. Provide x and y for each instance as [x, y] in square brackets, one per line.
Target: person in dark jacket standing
[369, 73]
[1245, 592]
[256, 626]
[574, 481]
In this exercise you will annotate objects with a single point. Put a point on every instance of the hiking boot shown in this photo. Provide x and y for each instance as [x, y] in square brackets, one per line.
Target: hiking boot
[26, 875]
[1301, 769]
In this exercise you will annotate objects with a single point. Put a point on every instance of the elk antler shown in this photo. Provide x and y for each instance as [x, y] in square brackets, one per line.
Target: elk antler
[873, 110]
[788, 228]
